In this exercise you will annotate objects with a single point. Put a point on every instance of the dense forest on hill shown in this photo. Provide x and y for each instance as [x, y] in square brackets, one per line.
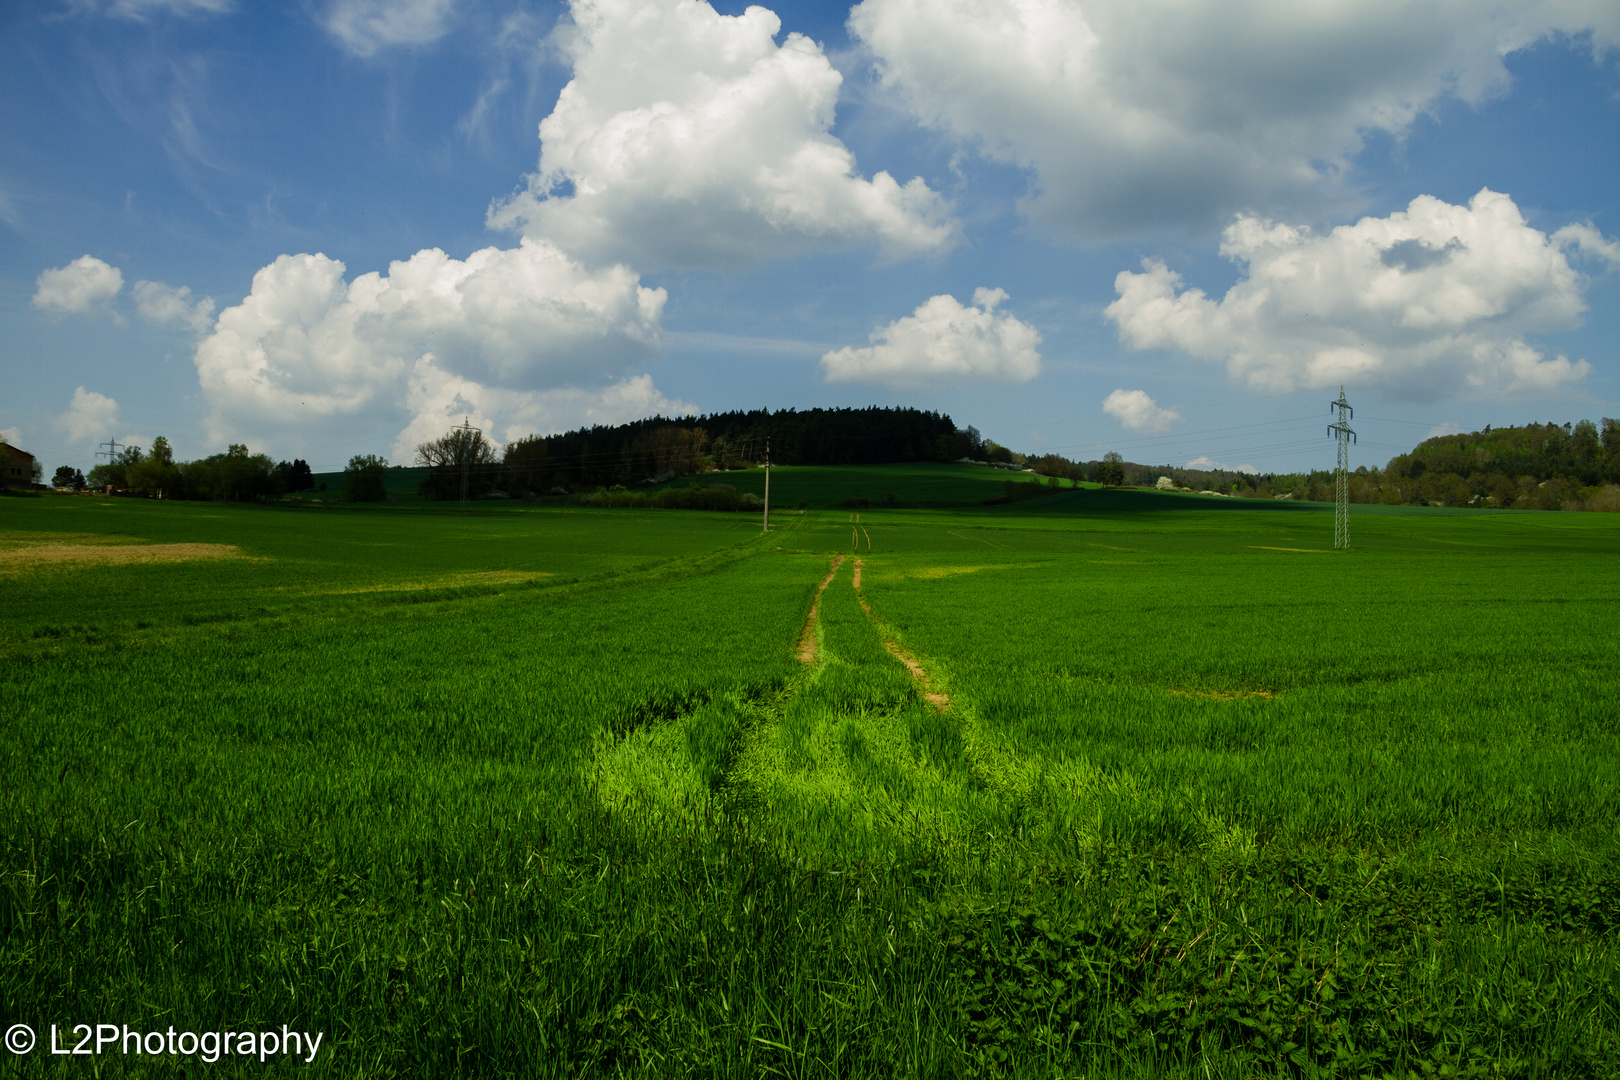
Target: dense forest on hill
[663, 447]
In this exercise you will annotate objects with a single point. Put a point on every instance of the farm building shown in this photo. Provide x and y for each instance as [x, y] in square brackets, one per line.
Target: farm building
[16, 466]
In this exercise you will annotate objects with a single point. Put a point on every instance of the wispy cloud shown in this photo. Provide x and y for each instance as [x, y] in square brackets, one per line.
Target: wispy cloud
[142, 10]
[167, 305]
[366, 27]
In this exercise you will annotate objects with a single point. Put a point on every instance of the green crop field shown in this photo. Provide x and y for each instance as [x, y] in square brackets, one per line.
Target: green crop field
[1093, 784]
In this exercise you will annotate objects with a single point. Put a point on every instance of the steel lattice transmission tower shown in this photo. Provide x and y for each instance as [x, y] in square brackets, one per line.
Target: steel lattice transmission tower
[1341, 476]
[467, 433]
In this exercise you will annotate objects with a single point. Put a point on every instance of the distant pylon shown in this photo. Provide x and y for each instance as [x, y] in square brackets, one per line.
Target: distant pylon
[1341, 476]
[468, 431]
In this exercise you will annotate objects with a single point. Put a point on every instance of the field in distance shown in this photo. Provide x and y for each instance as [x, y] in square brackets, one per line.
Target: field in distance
[820, 487]
[1095, 784]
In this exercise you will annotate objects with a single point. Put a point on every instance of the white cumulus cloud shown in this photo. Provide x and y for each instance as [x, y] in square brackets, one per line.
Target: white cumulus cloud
[943, 341]
[1135, 411]
[85, 286]
[1136, 115]
[167, 305]
[365, 27]
[306, 347]
[439, 401]
[89, 415]
[1430, 302]
[689, 139]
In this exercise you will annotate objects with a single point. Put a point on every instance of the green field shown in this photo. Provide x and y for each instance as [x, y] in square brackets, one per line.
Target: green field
[1095, 784]
[818, 487]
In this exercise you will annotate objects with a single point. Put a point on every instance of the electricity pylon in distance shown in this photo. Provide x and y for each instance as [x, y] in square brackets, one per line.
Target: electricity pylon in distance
[1341, 476]
[467, 433]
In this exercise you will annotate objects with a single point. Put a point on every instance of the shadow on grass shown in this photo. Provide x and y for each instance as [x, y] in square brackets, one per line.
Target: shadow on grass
[1137, 501]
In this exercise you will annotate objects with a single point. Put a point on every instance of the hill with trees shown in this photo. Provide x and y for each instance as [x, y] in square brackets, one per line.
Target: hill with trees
[1532, 467]
[661, 447]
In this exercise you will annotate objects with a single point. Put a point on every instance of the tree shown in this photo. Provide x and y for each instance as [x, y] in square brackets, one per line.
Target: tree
[1111, 470]
[527, 467]
[295, 475]
[1585, 443]
[460, 452]
[671, 451]
[156, 473]
[235, 475]
[363, 478]
[972, 443]
[68, 477]
[115, 472]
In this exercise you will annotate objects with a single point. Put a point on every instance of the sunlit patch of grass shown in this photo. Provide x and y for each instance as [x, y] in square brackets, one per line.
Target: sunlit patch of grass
[445, 581]
[17, 558]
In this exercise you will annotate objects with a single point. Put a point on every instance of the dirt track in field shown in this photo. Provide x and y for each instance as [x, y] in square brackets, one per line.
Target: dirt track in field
[806, 650]
[924, 684]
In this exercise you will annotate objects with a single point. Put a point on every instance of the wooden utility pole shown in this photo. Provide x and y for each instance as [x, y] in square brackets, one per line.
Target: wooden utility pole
[767, 527]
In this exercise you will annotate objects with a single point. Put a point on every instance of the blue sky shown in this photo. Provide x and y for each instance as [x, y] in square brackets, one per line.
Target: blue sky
[1079, 225]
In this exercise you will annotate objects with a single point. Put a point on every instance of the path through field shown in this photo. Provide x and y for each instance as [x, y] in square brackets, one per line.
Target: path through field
[924, 685]
[806, 651]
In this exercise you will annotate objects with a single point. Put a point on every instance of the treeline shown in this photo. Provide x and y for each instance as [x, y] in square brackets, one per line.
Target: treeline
[1532, 467]
[661, 448]
[235, 476]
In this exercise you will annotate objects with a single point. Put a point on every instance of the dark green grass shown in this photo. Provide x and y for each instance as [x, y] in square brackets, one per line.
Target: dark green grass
[314, 561]
[611, 827]
[923, 484]
[819, 487]
[1408, 751]
[401, 481]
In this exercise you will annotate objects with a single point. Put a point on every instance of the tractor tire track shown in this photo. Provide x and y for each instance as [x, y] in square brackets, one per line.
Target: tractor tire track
[925, 685]
[806, 649]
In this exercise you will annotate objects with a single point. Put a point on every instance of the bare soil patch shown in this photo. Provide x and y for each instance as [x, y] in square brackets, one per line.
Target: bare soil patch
[806, 649]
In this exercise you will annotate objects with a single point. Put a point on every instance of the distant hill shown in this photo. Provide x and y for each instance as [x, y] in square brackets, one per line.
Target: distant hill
[1533, 467]
[664, 446]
